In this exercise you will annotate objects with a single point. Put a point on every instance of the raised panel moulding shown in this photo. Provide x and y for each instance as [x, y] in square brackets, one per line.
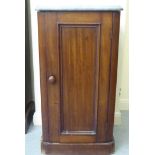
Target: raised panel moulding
[77, 78]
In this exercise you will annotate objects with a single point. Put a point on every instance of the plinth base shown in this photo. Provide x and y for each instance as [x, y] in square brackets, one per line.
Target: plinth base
[77, 148]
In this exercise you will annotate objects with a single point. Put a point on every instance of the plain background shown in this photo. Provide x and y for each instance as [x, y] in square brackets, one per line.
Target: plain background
[141, 77]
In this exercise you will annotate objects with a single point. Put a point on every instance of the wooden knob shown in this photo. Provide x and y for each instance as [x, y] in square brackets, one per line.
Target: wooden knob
[52, 79]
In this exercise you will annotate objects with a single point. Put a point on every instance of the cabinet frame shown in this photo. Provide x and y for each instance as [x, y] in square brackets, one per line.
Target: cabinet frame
[98, 143]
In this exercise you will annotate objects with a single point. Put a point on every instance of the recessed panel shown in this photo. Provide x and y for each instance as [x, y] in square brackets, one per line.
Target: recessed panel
[79, 67]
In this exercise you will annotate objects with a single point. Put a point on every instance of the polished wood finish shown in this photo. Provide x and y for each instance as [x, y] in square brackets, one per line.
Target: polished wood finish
[79, 81]
[43, 78]
[52, 79]
[105, 49]
[78, 149]
[113, 75]
[78, 64]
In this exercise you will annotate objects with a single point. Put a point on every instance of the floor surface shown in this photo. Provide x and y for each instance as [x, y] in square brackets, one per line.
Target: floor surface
[121, 134]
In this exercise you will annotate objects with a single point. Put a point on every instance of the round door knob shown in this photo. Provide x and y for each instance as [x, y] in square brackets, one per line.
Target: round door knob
[51, 79]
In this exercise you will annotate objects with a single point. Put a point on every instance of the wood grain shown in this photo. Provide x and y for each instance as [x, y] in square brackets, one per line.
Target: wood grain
[77, 148]
[113, 76]
[106, 27]
[78, 17]
[77, 139]
[52, 57]
[43, 76]
[78, 67]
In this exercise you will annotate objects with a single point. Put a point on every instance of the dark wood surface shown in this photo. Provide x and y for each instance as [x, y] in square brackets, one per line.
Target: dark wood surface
[29, 93]
[79, 67]
[29, 111]
[113, 75]
[105, 48]
[78, 64]
[43, 78]
[77, 149]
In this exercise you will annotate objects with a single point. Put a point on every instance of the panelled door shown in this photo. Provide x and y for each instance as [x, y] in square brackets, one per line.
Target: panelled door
[75, 63]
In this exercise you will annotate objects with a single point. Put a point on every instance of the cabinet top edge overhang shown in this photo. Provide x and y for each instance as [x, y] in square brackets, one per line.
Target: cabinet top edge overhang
[78, 6]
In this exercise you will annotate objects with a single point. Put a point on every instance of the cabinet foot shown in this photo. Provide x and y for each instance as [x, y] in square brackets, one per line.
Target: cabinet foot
[77, 148]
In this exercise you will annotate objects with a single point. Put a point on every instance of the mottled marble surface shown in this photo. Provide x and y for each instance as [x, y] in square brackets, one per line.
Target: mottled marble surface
[81, 5]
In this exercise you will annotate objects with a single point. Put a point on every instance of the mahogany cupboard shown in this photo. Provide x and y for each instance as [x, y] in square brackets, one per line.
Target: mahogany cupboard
[78, 65]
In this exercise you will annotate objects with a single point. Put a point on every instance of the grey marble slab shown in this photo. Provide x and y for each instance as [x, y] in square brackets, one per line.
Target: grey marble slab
[78, 6]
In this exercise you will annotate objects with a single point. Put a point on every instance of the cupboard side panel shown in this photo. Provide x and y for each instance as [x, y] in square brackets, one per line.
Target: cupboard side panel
[43, 84]
[113, 75]
[106, 27]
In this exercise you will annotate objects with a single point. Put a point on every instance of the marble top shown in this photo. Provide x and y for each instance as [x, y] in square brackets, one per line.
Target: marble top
[81, 5]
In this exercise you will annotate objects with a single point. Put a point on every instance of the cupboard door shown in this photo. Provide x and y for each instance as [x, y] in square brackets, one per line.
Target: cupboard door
[76, 48]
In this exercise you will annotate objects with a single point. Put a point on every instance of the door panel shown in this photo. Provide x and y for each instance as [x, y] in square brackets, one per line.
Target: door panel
[79, 63]
[78, 56]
